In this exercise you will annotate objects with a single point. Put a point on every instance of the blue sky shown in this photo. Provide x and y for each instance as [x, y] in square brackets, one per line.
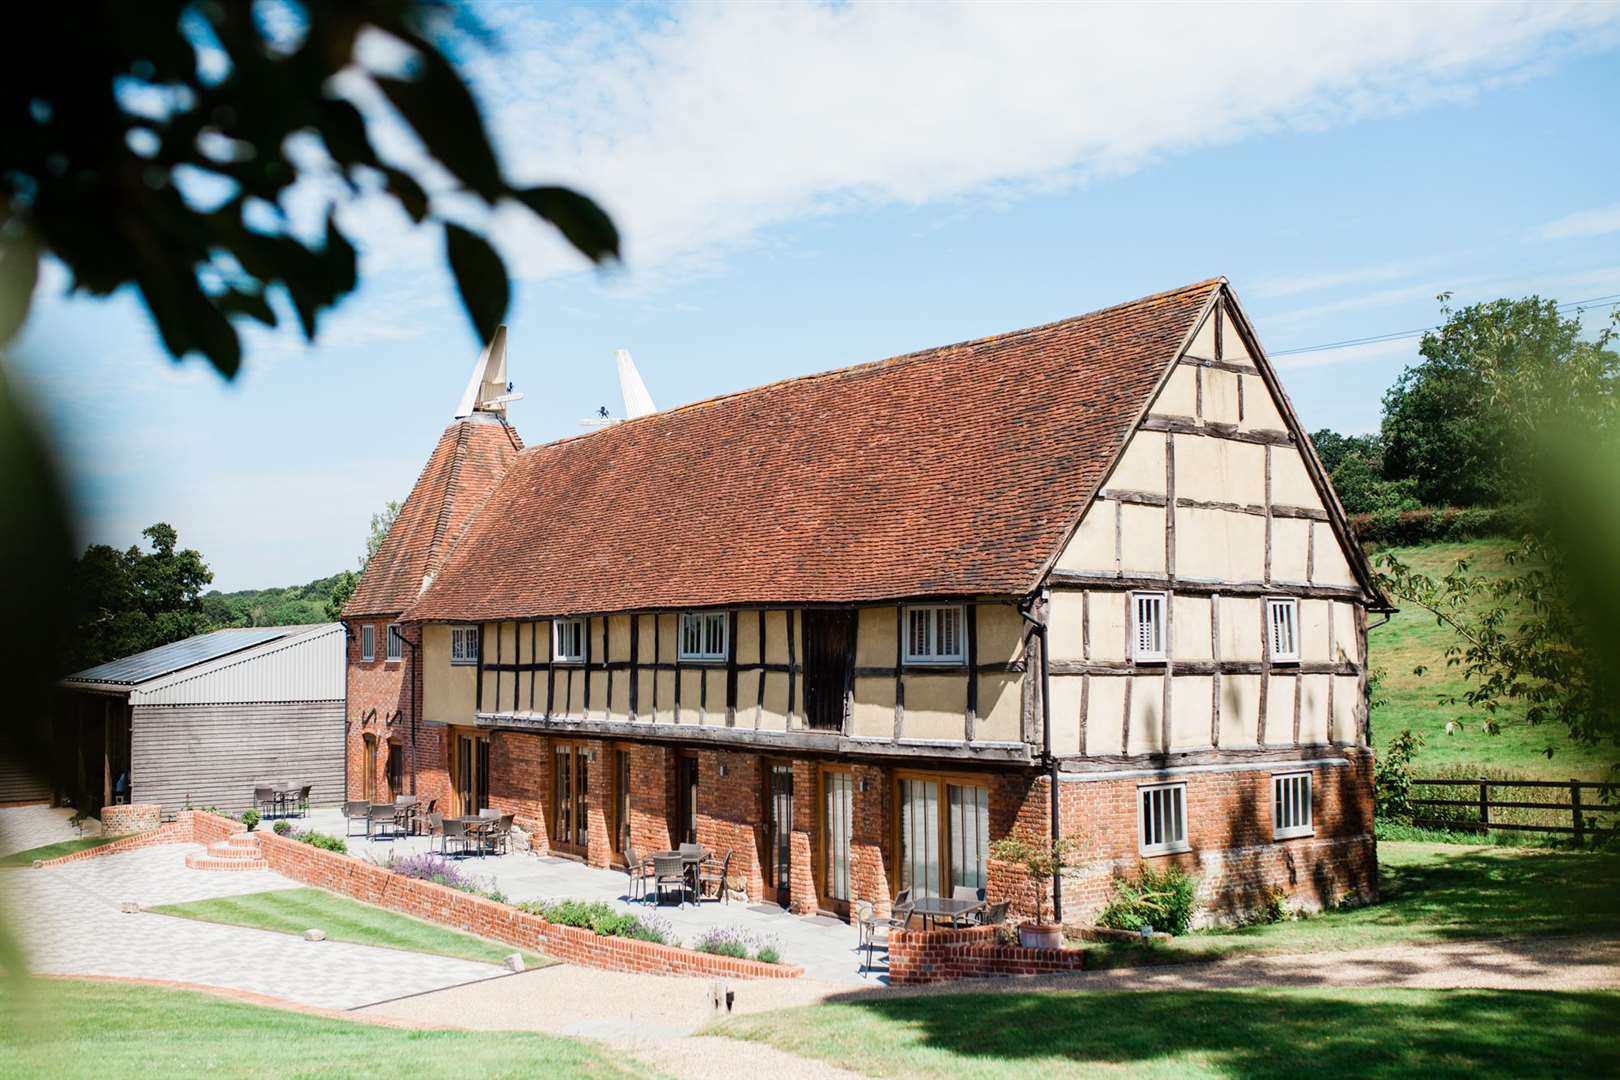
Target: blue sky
[803, 186]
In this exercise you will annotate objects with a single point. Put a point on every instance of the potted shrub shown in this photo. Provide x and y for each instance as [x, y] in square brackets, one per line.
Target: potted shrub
[250, 818]
[1042, 860]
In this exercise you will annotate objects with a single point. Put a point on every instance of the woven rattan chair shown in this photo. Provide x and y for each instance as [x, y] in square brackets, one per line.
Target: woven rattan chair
[669, 872]
[358, 810]
[452, 834]
[709, 874]
[638, 872]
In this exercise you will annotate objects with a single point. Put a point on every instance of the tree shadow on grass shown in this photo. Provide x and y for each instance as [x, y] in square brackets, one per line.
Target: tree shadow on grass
[1240, 1033]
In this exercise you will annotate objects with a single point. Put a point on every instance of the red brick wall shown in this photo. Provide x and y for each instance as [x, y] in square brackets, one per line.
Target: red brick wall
[520, 782]
[925, 956]
[803, 874]
[651, 771]
[731, 813]
[1229, 832]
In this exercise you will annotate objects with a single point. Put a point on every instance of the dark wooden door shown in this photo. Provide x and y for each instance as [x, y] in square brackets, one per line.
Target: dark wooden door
[827, 642]
[778, 831]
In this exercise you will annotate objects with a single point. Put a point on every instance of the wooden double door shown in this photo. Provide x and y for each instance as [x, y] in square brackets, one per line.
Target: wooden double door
[570, 798]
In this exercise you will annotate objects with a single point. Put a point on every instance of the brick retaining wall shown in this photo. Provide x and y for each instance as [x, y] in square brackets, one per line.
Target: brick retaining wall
[925, 956]
[130, 818]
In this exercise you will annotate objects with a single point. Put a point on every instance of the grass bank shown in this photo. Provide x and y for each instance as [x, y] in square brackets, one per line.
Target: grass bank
[1431, 892]
[292, 911]
[66, 1030]
[1248, 1033]
[56, 850]
[1413, 638]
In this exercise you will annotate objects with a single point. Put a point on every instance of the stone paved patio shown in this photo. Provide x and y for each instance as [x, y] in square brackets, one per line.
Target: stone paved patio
[26, 827]
[70, 924]
[824, 947]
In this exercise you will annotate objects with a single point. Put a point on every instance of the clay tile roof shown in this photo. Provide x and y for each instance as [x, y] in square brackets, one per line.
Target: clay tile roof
[953, 471]
[471, 456]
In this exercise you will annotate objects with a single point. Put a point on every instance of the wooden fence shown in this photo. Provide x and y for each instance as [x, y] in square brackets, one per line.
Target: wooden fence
[1581, 812]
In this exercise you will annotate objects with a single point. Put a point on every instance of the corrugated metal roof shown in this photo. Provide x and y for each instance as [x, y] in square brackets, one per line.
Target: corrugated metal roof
[178, 655]
[304, 666]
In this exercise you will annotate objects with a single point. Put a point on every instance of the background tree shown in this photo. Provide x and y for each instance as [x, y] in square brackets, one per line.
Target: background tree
[155, 144]
[1356, 465]
[132, 600]
[381, 522]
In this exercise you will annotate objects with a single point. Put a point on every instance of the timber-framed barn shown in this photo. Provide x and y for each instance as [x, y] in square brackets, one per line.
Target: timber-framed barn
[851, 628]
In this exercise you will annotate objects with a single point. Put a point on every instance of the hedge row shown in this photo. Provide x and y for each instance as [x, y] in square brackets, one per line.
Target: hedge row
[1439, 524]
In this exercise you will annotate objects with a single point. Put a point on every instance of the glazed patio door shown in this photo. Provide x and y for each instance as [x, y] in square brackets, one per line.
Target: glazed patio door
[837, 829]
[778, 831]
[472, 773]
[686, 798]
[571, 786]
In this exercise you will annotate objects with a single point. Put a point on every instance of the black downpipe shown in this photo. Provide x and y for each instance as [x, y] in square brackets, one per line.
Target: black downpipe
[416, 667]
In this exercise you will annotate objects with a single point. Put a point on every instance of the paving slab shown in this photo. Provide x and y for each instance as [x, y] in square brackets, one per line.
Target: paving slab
[26, 827]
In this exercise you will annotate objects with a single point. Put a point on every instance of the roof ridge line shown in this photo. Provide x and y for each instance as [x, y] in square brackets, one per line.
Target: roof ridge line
[899, 358]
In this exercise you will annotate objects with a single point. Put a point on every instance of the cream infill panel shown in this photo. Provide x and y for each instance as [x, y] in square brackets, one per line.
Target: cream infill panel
[1346, 699]
[1189, 711]
[1065, 629]
[1240, 710]
[1179, 398]
[873, 714]
[1203, 342]
[644, 642]
[668, 638]
[747, 644]
[1331, 567]
[875, 637]
[1233, 348]
[618, 637]
[1313, 709]
[1242, 630]
[1280, 711]
[1000, 634]
[1259, 410]
[1217, 545]
[935, 705]
[665, 712]
[449, 691]
[618, 686]
[1092, 548]
[1290, 549]
[1190, 635]
[645, 679]
[1290, 483]
[776, 629]
[1066, 693]
[1141, 467]
[1314, 616]
[1346, 644]
[1000, 708]
[1109, 612]
[776, 703]
[1105, 714]
[1141, 546]
[1220, 470]
[715, 707]
[599, 695]
[1147, 714]
[1220, 396]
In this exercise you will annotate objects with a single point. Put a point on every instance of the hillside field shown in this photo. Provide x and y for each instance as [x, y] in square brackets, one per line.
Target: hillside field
[1404, 700]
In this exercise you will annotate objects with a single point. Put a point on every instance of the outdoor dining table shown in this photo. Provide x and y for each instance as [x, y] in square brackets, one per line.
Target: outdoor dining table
[690, 861]
[944, 907]
[478, 827]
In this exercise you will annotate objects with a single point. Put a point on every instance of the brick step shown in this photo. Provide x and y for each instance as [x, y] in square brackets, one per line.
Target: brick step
[200, 861]
[229, 850]
[243, 840]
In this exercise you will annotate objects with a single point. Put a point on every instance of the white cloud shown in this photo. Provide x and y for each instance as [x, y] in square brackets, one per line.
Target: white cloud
[700, 126]
[1586, 223]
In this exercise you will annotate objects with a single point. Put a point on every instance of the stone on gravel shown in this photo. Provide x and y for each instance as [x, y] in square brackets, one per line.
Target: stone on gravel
[514, 961]
[313, 934]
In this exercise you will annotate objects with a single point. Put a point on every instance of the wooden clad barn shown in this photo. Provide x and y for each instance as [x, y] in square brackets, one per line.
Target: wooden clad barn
[1087, 578]
[198, 722]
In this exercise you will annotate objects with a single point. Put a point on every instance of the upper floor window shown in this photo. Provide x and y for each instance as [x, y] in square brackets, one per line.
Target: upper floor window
[1282, 627]
[368, 642]
[396, 641]
[1163, 814]
[568, 640]
[703, 635]
[1148, 642]
[934, 634]
[1291, 805]
[464, 644]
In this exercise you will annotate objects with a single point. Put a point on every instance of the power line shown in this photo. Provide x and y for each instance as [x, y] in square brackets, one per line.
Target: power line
[1573, 305]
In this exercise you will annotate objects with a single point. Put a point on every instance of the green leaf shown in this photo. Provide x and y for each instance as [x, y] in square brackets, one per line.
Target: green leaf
[404, 188]
[480, 278]
[439, 107]
[19, 273]
[585, 224]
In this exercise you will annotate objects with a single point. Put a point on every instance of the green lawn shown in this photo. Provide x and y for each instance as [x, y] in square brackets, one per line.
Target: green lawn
[95, 1030]
[1431, 892]
[1412, 638]
[1254, 1033]
[293, 911]
[52, 851]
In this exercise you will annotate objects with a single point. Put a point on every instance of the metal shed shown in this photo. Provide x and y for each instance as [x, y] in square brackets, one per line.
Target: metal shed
[200, 721]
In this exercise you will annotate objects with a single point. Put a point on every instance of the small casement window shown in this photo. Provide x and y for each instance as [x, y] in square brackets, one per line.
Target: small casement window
[934, 634]
[464, 644]
[368, 642]
[1282, 626]
[703, 635]
[396, 641]
[1148, 609]
[568, 640]
[1291, 806]
[1164, 818]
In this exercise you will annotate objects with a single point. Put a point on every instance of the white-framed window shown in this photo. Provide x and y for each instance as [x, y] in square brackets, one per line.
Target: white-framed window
[1282, 627]
[396, 642]
[1163, 817]
[1148, 623]
[1291, 806]
[368, 642]
[934, 634]
[568, 640]
[703, 635]
[464, 644]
